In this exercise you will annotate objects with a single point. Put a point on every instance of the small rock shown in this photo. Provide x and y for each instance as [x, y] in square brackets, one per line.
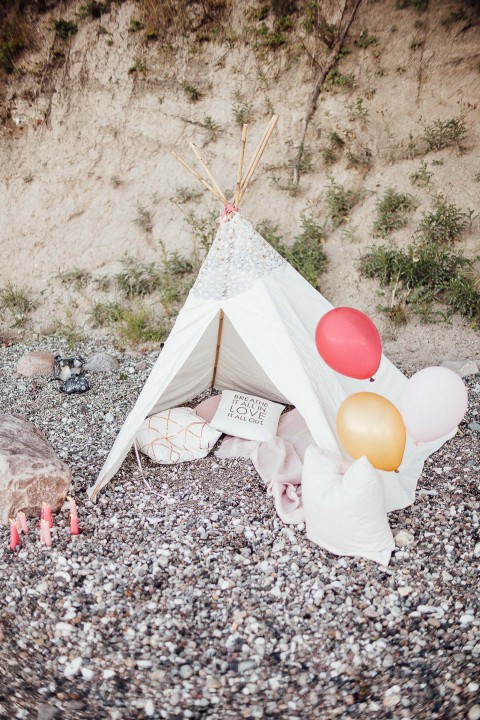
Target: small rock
[87, 673]
[446, 576]
[474, 713]
[108, 674]
[474, 426]
[72, 667]
[149, 708]
[476, 550]
[213, 683]
[466, 619]
[185, 672]
[109, 417]
[405, 590]
[389, 701]
[473, 687]
[35, 364]
[101, 363]
[464, 368]
[142, 365]
[48, 712]
[403, 538]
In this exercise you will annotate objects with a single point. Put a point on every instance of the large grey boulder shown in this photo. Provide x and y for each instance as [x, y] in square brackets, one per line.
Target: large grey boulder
[30, 471]
[101, 363]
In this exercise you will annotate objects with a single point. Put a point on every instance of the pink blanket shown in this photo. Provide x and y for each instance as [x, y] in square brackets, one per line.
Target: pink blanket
[279, 463]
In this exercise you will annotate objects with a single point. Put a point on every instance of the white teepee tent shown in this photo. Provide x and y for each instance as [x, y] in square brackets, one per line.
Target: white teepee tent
[249, 324]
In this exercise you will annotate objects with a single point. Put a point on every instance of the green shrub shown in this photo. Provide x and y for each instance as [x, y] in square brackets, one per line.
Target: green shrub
[105, 314]
[138, 324]
[421, 176]
[138, 279]
[393, 210]
[339, 202]
[444, 224]
[64, 29]
[444, 133]
[307, 254]
[428, 276]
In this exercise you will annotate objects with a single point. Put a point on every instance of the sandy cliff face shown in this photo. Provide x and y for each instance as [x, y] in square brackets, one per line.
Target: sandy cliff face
[87, 176]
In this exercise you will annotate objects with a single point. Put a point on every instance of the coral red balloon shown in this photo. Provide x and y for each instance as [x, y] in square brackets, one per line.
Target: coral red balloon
[349, 342]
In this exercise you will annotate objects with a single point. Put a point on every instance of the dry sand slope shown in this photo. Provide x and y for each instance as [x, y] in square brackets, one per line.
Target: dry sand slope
[86, 169]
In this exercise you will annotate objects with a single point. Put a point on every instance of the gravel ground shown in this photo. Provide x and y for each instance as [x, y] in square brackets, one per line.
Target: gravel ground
[207, 606]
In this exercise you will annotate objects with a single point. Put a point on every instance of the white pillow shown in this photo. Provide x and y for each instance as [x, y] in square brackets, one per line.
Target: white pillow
[247, 416]
[175, 435]
[345, 507]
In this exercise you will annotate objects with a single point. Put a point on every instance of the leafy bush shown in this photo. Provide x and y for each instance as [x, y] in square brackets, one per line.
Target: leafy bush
[392, 212]
[339, 202]
[17, 301]
[445, 223]
[64, 29]
[138, 279]
[428, 275]
[307, 254]
[444, 133]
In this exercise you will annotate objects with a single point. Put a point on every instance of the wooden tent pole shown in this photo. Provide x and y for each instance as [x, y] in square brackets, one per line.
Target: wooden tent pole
[258, 154]
[220, 198]
[249, 166]
[212, 179]
[236, 199]
[217, 351]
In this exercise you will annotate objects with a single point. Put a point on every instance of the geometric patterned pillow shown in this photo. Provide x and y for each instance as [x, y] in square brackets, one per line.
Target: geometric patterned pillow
[176, 435]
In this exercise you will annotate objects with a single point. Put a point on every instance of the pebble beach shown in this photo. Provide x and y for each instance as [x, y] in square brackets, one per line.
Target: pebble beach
[191, 599]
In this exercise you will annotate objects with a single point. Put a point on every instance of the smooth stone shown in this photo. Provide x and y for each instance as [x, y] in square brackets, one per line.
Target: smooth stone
[109, 417]
[404, 590]
[30, 470]
[48, 712]
[142, 365]
[149, 708]
[72, 667]
[474, 426]
[403, 538]
[476, 550]
[389, 701]
[87, 673]
[464, 368]
[186, 672]
[101, 363]
[36, 364]
[474, 713]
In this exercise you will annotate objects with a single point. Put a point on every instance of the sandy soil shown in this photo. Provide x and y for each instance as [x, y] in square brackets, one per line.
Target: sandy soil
[80, 160]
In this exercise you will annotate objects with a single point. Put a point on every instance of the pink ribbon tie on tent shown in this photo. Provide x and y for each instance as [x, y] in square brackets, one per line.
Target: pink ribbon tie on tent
[227, 210]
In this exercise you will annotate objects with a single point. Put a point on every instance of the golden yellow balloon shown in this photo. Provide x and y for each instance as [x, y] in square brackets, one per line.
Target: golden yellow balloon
[369, 424]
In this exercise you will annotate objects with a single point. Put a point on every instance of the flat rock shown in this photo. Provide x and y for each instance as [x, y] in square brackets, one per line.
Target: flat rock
[101, 363]
[403, 538]
[30, 471]
[48, 712]
[35, 364]
[464, 368]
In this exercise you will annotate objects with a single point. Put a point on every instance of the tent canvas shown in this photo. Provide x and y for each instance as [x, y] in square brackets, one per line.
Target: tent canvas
[249, 323]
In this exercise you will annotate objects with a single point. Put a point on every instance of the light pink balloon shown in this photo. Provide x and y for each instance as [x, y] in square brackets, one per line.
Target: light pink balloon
[433, 403]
